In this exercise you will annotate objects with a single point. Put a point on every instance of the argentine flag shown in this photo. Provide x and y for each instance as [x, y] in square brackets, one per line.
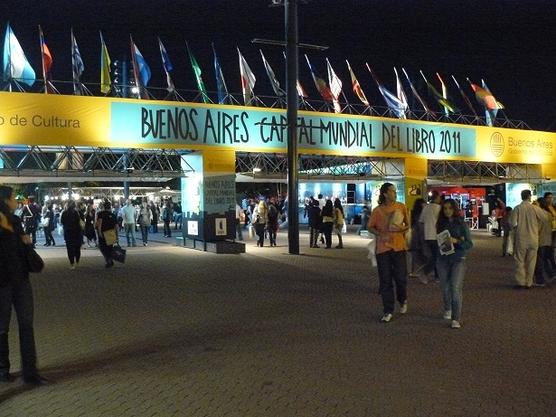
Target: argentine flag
[16, 66]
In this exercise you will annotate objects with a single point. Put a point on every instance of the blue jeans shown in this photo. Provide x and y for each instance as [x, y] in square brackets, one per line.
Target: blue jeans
[130, 233]
[451, 271]
[145, 233]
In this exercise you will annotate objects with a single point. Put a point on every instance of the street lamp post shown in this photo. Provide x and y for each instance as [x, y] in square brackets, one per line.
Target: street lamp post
[292, 104]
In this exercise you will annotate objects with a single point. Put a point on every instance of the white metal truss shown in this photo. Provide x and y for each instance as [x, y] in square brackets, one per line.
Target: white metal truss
[274, 166]
[71, 161]
[482, 172]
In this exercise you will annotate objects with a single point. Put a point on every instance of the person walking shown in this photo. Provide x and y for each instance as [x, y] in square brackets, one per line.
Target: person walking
[155, 215]
[389, 222]
[260, 219]
[418, 259]
[428, 218]
[507, 229]
[339, 221]
[71, 221]
[239, 217]
[128, 216]
[48, 225]
[89, 230]
[272, 223]
[451, 268]
[327, 215]
[543, 267]
[144, 220]
[526, 221]
[552, 210]
[15, 292]
[167, 214]
[107, 229]
[313, 213]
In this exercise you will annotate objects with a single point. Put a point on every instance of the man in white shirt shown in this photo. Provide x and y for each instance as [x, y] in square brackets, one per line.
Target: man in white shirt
[526, 222]
[128, 216]
[429, 218]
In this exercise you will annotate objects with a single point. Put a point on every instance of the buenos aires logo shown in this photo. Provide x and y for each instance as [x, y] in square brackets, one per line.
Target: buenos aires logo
[497, 144]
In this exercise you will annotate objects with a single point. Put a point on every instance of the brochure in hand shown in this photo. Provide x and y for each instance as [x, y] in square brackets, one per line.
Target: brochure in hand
[445, 244]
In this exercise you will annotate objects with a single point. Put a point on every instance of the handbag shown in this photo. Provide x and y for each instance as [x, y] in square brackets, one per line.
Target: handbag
[118, 254]
[34, 260]
[45, 221]
[110, 237]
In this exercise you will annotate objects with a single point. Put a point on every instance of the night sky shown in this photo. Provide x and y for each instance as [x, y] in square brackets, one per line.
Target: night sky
[510, 43]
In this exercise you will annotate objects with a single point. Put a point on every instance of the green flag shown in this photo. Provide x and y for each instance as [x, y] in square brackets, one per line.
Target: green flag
[198, 78]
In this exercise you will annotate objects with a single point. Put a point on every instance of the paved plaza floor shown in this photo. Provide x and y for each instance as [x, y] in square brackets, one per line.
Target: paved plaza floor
[176, 332]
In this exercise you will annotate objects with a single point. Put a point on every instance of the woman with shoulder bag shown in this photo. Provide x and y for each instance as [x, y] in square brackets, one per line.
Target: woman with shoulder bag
[48, 225]
[327, 224]
[451, 268]
[107, 228]
[15, 291]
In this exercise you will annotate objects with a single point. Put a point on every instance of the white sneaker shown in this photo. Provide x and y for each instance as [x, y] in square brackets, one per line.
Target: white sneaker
[386, 318]
[403, 308]
[448, 315]
[455, 324]
[72, 267]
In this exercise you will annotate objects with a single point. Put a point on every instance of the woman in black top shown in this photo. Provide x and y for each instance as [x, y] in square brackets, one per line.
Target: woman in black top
[49, 228]
[15, 290]
[327, 215]
[72, 233]
[90, 233]
[106, 221]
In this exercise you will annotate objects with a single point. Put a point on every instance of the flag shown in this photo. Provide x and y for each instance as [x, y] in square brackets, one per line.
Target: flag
[335, 86]
[448, 107]
[16, 66]
[105, 79]
[167, 65]
[77, 66]
[320, 84]
[272, 77]
[392, 101]
[141, 70]
[357, 90]
[247, 79]
[401, 93]
[444, 92]
[300, 90]
[46, 58]
[416, 93]
[464, 96]
[485, 97]
[198, 78]
[221, 88]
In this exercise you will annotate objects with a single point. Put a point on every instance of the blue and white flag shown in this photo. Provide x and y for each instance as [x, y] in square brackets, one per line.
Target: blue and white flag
[16, 66]
[221, 88]
[167, 65]
[77, 66]
[141, 69]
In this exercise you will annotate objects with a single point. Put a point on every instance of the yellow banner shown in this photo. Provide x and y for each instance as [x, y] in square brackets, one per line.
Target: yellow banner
[41, 119]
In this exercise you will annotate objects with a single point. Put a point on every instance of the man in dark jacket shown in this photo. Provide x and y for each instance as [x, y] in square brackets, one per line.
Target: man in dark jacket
[313, 212]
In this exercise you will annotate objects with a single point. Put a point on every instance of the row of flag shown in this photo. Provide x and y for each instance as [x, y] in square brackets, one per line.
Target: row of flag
[17, 67]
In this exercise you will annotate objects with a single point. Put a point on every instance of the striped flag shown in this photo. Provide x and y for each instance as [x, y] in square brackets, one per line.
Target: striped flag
[105, 79]
[392, 101]
[248, 79]
[140, 67]
[221, 88]
[77, 66]
[320, 84]
[444, 92]
[167, 65]
[485, 97]
[335, 86]
[357, 90]
[272, 77]
[416, 93]
[446, 105]
[46, 59]
[16, 65]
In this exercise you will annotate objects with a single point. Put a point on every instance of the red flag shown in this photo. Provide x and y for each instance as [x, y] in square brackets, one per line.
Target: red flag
[46, 56]
[357, 90]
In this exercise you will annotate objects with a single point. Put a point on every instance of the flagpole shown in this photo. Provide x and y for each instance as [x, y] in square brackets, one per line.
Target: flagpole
[292, 64]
